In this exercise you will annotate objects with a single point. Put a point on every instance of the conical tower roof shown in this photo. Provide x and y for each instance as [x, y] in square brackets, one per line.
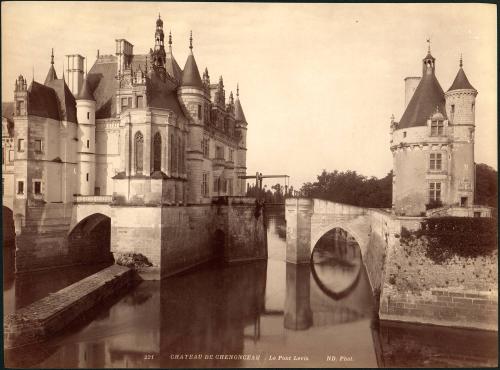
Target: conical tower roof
[428, 97]
[191, 74]
[238, 110]
[171, 65]
[84, 93]
[461, 81]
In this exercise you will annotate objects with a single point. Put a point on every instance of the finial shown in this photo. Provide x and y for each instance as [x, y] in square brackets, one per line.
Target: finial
[392, 117]
[461, 62]
[52, 57]
[238, 89]
[429, 45]
[159, 16]
[191, 40]
[170, 37]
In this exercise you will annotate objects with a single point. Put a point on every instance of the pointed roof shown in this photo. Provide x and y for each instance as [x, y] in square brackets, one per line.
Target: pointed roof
[85, 92]
[51, 75]
[171, 65]
[423, 103]
[191, 74]
[42, 101]
[66, 100]
[238, 110]
[461, 81]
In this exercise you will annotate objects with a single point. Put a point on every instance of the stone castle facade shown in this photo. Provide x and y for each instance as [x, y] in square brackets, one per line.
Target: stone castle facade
[136, 128]
[433, 146]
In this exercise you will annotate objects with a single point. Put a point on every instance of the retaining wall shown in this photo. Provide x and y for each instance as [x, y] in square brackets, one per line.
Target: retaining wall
[43, 318]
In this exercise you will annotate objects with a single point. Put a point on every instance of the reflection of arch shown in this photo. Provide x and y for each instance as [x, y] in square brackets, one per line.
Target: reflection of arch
[324, 288]
[157, 152]
[9, 232]
[139, 149]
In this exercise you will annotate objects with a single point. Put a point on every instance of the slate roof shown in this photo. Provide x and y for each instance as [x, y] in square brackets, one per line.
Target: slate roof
[65, 100]
[162, 94]
[103, 85]
[423, 103]
[85, 92]
[461, 81]
[42, 101]
[238, 111]
[172, 67]
[191, 74]
[51, 75]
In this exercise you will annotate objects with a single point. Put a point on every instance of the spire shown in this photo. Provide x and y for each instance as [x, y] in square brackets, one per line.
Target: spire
[191, 41]
[51, 74]
[238, 110]
[231, 98]
[429, 45]
[191, 74]
[461, 82]
[428, 63]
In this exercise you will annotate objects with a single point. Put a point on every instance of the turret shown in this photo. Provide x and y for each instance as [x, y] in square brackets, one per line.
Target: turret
[460, 107]
[241, 130]
[74, 72]
[193, 95]
[21, 96]
[85, 110]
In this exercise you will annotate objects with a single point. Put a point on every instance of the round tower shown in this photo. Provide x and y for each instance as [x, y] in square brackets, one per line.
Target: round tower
[85, 112]
[193, 95]
[460, 108]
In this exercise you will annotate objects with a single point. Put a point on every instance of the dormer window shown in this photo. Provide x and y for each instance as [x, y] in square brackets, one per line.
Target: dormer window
[437, 128]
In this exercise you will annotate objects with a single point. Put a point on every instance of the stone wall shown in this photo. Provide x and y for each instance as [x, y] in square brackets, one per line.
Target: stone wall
[461, 292]
[49, 315]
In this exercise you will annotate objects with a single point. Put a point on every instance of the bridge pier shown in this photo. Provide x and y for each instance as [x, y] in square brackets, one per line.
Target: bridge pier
[298, 229]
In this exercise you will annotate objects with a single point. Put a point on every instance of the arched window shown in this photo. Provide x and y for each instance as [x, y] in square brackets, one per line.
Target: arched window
[139, 148]
[157, 152]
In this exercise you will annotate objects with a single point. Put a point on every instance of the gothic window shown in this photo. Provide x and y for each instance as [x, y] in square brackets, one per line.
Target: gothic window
[435, 191]
[157, 152]
[139, 149]
[436, 161]
[437, 128]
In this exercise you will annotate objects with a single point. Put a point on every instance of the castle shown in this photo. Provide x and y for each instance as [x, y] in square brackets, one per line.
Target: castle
[128, 157]
[433, 147]
[136, 126]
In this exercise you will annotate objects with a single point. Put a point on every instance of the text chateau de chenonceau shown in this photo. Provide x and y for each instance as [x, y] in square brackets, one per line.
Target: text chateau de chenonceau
[138, 156]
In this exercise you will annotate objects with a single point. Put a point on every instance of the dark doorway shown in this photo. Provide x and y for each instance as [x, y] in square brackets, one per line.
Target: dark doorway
[89, 241]
[463, 202]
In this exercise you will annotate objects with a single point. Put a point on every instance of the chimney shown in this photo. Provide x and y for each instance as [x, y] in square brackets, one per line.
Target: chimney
[74, 72]
[411, 84]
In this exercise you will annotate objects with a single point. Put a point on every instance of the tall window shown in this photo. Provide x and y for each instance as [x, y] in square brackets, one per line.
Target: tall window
[205, 146]
[20, 187]
[199, 111]
[139, 149]
[216, 185]
[204, 185]
[452, 112]
[435, 191]
[437, 128]
[173, 154]
[179, 155]
[37, 187]
[139, 101]
[219, 152]
[20, 145]
[436, 161]
[157, 152]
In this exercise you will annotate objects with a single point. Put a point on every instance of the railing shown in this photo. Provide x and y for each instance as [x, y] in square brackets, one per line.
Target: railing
[103, 199]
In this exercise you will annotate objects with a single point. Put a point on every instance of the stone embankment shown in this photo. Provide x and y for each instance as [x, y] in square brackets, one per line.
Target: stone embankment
[41, 319]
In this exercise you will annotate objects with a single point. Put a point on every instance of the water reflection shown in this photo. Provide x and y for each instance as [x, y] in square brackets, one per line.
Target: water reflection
[258, 310]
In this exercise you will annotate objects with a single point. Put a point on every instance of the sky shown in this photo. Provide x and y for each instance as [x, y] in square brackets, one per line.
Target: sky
[318, 82]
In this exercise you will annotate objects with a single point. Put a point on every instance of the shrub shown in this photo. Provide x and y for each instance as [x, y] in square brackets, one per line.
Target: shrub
[133, 260]
[468, 237]
[433, 203]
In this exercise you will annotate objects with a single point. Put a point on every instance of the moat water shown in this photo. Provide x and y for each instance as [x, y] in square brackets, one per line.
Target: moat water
[262, 314]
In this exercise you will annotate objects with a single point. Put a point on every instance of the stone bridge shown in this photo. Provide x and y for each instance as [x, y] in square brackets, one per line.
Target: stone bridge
[308, 220]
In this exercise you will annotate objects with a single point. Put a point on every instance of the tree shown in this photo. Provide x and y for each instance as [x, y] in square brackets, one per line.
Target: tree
[486, 191]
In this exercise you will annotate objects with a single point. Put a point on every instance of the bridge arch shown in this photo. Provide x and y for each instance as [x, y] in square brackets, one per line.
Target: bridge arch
[356, 228]
[90, 239]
